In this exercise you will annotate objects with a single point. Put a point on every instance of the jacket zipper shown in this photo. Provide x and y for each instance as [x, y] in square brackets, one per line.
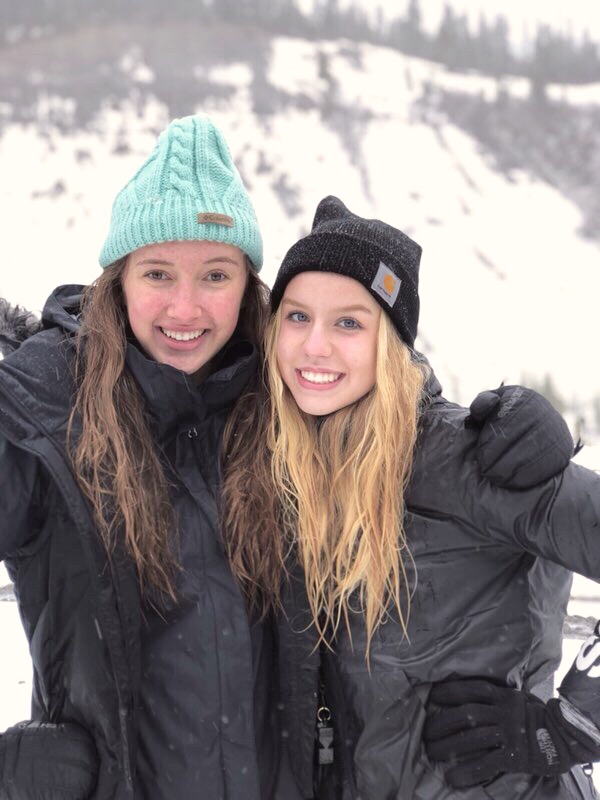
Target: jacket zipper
[324, 735]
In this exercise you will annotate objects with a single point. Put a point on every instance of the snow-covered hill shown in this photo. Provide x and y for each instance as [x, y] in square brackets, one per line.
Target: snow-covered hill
[508, 287]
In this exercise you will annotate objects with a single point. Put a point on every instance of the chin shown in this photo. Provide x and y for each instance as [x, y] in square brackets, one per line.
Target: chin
[319, 409]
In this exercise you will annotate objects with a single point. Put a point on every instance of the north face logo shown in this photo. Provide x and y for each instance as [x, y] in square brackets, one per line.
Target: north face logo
[546, 746]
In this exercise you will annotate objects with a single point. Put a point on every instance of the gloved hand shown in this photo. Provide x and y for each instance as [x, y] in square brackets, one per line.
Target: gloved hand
[523, 440]
[483, 730]
[580, 688]
[40, 759]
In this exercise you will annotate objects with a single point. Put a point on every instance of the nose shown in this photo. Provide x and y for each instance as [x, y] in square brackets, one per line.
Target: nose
[184, 302]
[317, 343]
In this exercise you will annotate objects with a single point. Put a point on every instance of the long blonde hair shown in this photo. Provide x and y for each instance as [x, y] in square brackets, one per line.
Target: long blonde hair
[331, 488]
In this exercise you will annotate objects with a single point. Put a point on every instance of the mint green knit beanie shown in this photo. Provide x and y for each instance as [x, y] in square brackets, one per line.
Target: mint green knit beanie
[188, 188]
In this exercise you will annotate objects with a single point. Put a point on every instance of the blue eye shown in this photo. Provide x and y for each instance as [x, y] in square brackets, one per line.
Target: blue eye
[349, 324]
[298, 316]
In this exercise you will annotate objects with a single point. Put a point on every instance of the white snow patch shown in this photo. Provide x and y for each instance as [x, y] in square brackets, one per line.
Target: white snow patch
[16, 670]
[236, 74]
[132, 65]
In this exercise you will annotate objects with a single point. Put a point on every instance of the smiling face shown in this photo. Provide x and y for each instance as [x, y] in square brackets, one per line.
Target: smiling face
[183, 300]
[327, 344]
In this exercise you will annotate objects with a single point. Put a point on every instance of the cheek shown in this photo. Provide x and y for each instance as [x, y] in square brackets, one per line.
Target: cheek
[140, 311]
[133, 314]
[364, 362]
[282, 352]
[226, 309]
[373, 362]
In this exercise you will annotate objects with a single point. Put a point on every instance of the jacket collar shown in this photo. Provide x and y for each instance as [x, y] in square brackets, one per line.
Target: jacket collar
[175, 401]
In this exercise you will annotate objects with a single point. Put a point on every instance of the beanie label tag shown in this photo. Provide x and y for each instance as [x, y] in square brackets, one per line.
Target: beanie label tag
[212, 218]
[386, 284]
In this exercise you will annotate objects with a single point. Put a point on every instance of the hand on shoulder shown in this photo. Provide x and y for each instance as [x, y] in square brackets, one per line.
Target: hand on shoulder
[523, 440]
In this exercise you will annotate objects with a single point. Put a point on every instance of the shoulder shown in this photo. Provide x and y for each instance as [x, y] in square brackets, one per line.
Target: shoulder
[37, 384]
[520, 440]
[443, 420]
[444, 442]
[39, 357]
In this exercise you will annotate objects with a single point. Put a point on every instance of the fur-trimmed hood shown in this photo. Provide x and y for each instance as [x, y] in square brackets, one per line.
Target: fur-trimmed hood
[17, 323]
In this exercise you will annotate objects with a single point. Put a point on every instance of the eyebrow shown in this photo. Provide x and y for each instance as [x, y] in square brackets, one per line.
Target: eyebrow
[155, 261]
[159, 262]
[339, 310]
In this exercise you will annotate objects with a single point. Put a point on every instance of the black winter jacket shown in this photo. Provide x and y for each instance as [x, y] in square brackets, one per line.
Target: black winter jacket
[492, 570]
[100, 657]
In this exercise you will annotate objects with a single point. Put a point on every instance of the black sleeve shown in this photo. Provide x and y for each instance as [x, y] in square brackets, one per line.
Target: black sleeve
[21, 497]
[558, 520]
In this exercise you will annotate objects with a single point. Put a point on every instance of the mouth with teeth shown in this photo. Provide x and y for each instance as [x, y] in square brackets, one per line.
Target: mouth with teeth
[182, 336]
[321, 380]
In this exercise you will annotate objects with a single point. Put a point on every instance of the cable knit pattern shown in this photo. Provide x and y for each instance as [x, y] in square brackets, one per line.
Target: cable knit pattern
[181, 160]
[190, 172]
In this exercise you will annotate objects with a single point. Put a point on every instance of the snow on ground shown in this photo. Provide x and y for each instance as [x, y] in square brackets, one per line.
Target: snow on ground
[15, 683]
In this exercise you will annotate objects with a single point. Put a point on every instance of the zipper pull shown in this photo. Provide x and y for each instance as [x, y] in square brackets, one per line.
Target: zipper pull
[324, 736]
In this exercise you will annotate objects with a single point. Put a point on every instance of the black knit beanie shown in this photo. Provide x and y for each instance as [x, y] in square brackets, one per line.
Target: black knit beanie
[382, 258]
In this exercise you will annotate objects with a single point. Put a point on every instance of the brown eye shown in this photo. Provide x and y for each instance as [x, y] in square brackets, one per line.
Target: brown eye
[216, 277]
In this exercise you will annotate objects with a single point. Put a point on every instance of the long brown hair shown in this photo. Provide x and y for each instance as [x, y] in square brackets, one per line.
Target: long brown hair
[332, 489]
[113, 453]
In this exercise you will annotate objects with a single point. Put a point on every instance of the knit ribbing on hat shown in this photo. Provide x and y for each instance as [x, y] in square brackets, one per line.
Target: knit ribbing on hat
[346, 244]
[190, 174]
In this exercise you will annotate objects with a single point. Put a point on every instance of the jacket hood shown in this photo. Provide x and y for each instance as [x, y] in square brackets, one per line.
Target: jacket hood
[62, 308]
[17, 324]
[433, 388]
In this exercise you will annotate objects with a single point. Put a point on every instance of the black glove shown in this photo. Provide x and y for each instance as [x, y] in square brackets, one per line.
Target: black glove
[39, 759]
[523, 440]
[484, 730]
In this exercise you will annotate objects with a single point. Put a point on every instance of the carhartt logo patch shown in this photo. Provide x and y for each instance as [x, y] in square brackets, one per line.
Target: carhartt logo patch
[386, 284]
[212, 218]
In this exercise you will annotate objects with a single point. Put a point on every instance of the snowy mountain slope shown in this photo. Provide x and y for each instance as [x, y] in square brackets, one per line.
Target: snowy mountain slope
[507, 285]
